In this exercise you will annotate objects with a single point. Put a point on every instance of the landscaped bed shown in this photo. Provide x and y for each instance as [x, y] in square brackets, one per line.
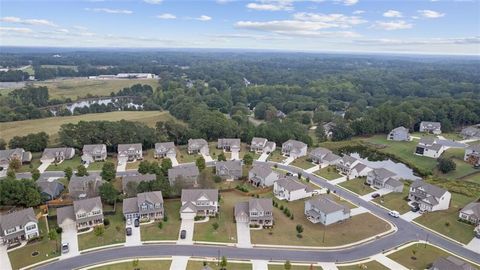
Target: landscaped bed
[329, 173]
[144, 265]
[170, 228]
[357, 186]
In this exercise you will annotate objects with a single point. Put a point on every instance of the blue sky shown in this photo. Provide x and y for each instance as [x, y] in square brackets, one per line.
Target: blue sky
[429, 26]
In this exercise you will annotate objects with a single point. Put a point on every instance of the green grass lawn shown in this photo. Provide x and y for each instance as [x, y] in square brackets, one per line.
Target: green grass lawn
[276, 156]
[114, 233]
[97, 165]
[148, 155]
[170, 229]
[474, 178]
[184, 157]
[302, 162]
[452, 136]
[462, 169]
[395, 201]
[144, 265]
[372, 265]
[214, 151]
[34, 163]
[328, 173]
[72, 163]
[294, 267]
[357, 186]
[198, 265]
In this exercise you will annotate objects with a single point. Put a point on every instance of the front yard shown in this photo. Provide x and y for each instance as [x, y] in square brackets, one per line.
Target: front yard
[372, 265]
[97, 166]
[72, 163]
[395, 201]
[303, 162]
[294, 267]
[170, 229]
[198, 265]
[329, 173]
[214, 151]
[357, 186]
[144, 265]
[276, 156]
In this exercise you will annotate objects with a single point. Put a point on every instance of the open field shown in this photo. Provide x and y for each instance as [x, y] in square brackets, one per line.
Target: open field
[357, 186]
[329, 173]
[372, 265]
[198, 265]
[395, 201]
[144, 265]
[51, 125]
[170, 229]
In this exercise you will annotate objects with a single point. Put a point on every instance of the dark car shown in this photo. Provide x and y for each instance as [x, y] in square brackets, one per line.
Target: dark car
[183, 234]
[128, 231]
[136, 222]
[289, 174]
[375, 195]
[415, 207]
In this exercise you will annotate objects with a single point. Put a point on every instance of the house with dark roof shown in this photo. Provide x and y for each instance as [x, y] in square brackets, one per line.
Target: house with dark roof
[94, 152]
[451, 263]
[256, 212]
[383, 178]
[322, 209]
[146, 206]
[199, 202]
[290, 189]
[197, 146]
[472, 154]
[81, 187]
[229, 145]
[50, 189]
[323, 157]
[130, 152]
[188, 173]
[229, 170]
[430, 127]
[429, 147]
[399, 134]
[165, 149]
[18, 153]
[88, 213]
[262, 175]
[470, 213]
[18, 226]
[130, 182]
[294, 148]
[429, 197]
[352, 167]
[57, 155]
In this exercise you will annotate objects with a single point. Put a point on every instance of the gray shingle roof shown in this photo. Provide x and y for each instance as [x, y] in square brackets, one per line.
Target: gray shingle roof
[261, 170]
[400, 129]
[291, 184]
[49, 153]
[331, 157]
[294, 145]
[429, 189]
[189, 195]
[129, 147]
[381, 173]
[472, 209]
[430, 125]
[13, 219]
[320, 152]
[151, 197]
[241, 208]
[348, 159]
[258, 142]
[394, 182]
[130, 205]
[93, 148]
[229, 142]
[165, 147]
[183, 170]
[234, 167]
[52, 188]
[64, 213]
[87, 205]
[196, 143]
[326, 205]
[427, 140]
[451, 263]
[261, 205]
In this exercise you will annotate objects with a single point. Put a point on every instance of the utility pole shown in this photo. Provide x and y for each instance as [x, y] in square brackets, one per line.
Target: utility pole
[426, 241]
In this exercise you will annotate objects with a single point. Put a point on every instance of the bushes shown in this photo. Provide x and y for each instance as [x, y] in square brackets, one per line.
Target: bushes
[99, 231]
[106, 222]
[242, 188]
[160, 225]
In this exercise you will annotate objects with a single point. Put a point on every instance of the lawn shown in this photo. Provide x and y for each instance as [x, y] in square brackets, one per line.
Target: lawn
[462, 169]
[97, 165]
[276, 156]
[395, 201]
[114, 233]
[302, 162]
[34, 163]
[474, 178]
[51, 125]
[294, 267]
[198, 265]
[424, 255]
[445, 222]
[183, 156]
[227, 231]
[72, 163]
[170, 229]
[214, 151]
[357, 186]
[147, 155]
[329, 173]
[143, 264]
[372, 265]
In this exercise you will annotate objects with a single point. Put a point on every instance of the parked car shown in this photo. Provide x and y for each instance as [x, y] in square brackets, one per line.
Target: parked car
[128, 231]
[394, 214]
[65, 248]
[136, 222]
[375, 195]
[183, 234]
[289, 174]
[415, 208]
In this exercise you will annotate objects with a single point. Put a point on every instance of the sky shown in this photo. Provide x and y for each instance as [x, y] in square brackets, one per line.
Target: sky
[370, 26]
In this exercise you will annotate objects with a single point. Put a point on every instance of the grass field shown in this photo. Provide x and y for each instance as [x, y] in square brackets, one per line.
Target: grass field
[170, 229]
[395, 201]
[198, 265]
[329, 173]
[52, 125]
[357, 186]
[276, 156]
[372, 265]
[144, 265]
[475, 178]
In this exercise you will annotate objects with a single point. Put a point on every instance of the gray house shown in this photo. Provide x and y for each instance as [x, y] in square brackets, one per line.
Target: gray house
[324, 210]
[430, 127]
[258, 144]
[399, 134]
[146, 206]
[471, 213]
[18, 226]
[257, 212]
[293, 148]
[50, 189]
[94, 152]
[185, 172]
[130, 182]
[472, 154]
[88, 213]
[323, 156]
[18, 153]
[451, 263]
[165, 149]
[81, 187]
[261, 175]
[57, 155]
[201, 202]
[383, 178]
[229, 170]
[130, 152]
[472, 132]
[196, 146]
[229, 145]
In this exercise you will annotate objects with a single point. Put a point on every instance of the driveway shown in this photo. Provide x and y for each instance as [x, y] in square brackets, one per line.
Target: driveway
[134, 239]
[313, 169]
[122, 165]
[69, 235]
[4, 258]
[368, 197]
[259, 265]
[188, 225]
[263, 157]
[288, 160]
[358, 211]
[243, 235]
[174, 161]
[474, 245]
[235, 155]
[179, 262]
[389, 263]
[44, 166]
[338, 180]
[207, 158]
[409, 216]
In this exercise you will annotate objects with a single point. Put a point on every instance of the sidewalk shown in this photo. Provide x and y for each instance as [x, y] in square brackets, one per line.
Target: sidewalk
[4, 258]
[263, 157]
[259, 265]
[358, 211]
[179, 262]
[338, 180]
[313, 169]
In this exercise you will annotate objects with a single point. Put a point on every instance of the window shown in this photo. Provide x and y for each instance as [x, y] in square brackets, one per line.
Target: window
[12, 230]
[81, 215]
[31, 227]
[96, 212]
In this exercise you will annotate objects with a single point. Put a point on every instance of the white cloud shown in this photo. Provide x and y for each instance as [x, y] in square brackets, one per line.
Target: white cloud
[21, 30]
[431, 41]
[336, 19]
[111, 11]
[28, 21]
[392, 25]
[154, 2]
[204, 18]
[271, 5]
[81, 28]
[392, 14]
[358, 12]
[166, 16]
[347, 2]
[430, 14]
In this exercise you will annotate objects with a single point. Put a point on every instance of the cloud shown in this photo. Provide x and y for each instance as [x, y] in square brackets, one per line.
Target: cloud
[271, 5]
[431, 41]
[203, 18]
[79, 27]
[153, 2]
[392, 25]
[166, 16]
[110, 11]
[430, 14]
[21, 30]
[392, 14]
[347, 2]
[224, 1]
[358, 12]
[250, 36]
[335, 19]
[28, 21]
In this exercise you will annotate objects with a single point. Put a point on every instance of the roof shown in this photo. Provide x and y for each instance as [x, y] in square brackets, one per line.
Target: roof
[348, 159]
[451, 263]
[427, 140]
[241, 208]
[360, 167]
[331, 157]
[429, 188]
[400, 129]
[393, 182]
[18, 153]
[228, 142]
[190, 195]
[52, 188]
[165, 147]
[94, 148]
[82, 183]
[430, 125]
[196, 143]
[87, 205]
[13, 219]
[475, 148]
[435, 147]
[130, 205]
[137, 179]
[184, 170]
[291, 184]
[258, 142]
[54, 152]
[232, 166]
[320, 152]
[129, 147]
[294, 144]
[64, 213]
[260, 205]
[473, 131]
[472, 209]
[381, 173]
[326, 205]
[150, 197]
[261, 170]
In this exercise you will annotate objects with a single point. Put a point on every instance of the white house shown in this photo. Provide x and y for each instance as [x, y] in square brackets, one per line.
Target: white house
[431, 127]
[429, 197]
[290, 189]
[18, 226]
[429, 147]
[293, 148]
[324, 210]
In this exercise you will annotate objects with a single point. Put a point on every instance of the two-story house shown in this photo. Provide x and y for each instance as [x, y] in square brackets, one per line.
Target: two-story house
[383, 178]
[146, 206]
[322, 209]
[295, 149]
[352, 167]
[323, 157]
[229, 170]
[399, 134]
[18, 153]
[472, 132]
[471, 213]
[429, 197]
[165, 149]
[57, 155]
[429, 147]
[258, 144]
[229, 145]
[81, 187]
[198, 146]
[88, 213]
[130, 152]
[199, 202]
[94, 152]
[430, 127]
[290, 189]
[472, 154]
[187, 173]
[256, 212]
[18, 226]
[262, 175]
[131, 182]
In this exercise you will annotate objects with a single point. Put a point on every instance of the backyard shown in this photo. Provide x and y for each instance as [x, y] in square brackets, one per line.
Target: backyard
[395, 201]
[34, 163]
[183, 156]
[170, 229]
[329, 173]
[143, 264]
[357, 186]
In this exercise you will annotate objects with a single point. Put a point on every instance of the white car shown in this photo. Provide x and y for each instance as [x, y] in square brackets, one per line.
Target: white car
[394, 214]
[65, 248]
[129, 221]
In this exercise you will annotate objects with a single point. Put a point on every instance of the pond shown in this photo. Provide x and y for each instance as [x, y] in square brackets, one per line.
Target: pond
[116, 102]
[399, 168]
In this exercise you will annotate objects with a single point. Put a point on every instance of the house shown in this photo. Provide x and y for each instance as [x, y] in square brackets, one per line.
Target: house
[130, 182]
[50, 189]
[269, 147]
[429, 147]
[323, 156]
[165, 149]
[88, 213]
[472, 132]
[258, 144]
[18, 153]
[322, 209]
[257, 212]
[146, 206]
[429, 197]
[470, 213]
[472, 154]
[451, 263]
[229, 145]
[81, 187]
[328, 128]
[130, 152]
[229, 170]
[196, 146]
[352, 167]
[57, 155]
[201, 202]
[261, 175]
[399, 134]
[430, 127]
[18, 226]
[185, 172]
[94, 152]
[293, 148]
[290, 189]
[383, 178]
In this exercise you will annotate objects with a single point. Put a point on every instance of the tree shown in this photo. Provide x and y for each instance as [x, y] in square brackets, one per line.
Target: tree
[144, 167]
[108, 193]
[446, 165]
[166, 165]
[221, 157]
[215, 226]
[224, 262]
[35, 174]
[108, 171]
[299, 228]
[287, 265]
[11, 174]
[52, 235]
[68, 173]
[99, 231]
[320, 133]
[15, 164]
[32, 142]
[81, 171]
[200, 162]
[247, 159]
[3, 144]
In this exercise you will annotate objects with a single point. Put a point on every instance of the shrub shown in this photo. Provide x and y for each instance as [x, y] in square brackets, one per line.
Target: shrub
[99, 230]
[299, 235]
[299, 228]
[106, 221]
[59, 230]
[160, 225]
[281, 207]
[291, 217]
[215, 226]
[165, 218]
[217, 179]
[118, 228]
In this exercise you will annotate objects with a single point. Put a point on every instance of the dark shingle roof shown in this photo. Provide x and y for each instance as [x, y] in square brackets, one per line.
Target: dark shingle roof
[13, 219]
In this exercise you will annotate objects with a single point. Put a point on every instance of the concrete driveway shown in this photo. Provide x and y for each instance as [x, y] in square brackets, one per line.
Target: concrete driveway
[235, 155]
[243, 235]
[288, 160]
[179, 262]
[44, 166]
[134, 239]
[358, 211]
[474, 245]
[409, 216]
[313, 169]
[174, 161]
[4, 258]
[263, 157]
[188, 225]
[122, 165]
[69, 235]
[368, 197]
[259, 265]
[207, 158]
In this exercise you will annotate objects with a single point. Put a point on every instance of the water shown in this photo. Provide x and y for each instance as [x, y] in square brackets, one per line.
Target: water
[101, 101]
[399, 168]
